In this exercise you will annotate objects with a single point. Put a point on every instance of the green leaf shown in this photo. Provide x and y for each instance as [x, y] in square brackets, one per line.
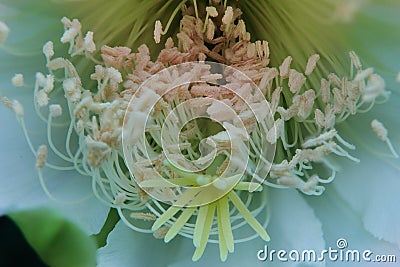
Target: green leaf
[57, 241]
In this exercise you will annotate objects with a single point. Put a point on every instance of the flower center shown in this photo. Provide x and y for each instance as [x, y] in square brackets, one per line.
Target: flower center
[183, 146]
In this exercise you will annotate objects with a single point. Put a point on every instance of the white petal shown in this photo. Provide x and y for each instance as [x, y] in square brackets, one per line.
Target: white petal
[341, 221]
[293, 224]
[89, 215]
[372, 187]
[125, 247]
[20, 187]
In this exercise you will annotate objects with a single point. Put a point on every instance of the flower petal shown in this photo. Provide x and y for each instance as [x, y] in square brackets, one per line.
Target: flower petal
[20, 186]
[126, 247]
[372, 189]
[25, 37]
[294, 224]
[341, 221]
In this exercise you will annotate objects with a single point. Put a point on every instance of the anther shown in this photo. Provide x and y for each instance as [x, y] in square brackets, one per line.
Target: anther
[55, 110]
[311, 64]
[4, 31]
[382, 134]
[18, 80]
[284, 69]
[212, 11]
[41, 156]
[48, 50]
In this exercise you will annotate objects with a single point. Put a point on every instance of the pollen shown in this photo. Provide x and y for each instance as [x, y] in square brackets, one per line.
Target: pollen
[157, 31]
[55, 110]
[212, 11]
[311, 64]
[18, 80]
[382, 134]
[41, 157]
[284, 69]
[15, 106]
[48, 50]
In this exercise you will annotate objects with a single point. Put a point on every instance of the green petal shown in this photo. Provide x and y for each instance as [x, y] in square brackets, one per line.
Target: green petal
[124, 22]
[57, 241]
[375, 35]
[31, 25]
[298, 28]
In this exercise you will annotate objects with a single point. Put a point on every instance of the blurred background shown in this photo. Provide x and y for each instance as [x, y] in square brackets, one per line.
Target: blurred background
[14, 251]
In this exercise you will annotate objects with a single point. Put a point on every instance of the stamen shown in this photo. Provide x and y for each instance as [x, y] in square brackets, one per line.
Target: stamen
[7, 102]
[14, 106]
[320, 139]
[157, 31]
[325, 90]
[311, 64]
[161, 232]
[4, 31]
[355, 61]
[158, 26]
[55, 110]
[120, 199]
[212, 11]
[18, 80]
[48, 50]
[382, 134]
[228, 16]
[284, 69]
[296, 81]
[88, 44]
[41, 156]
